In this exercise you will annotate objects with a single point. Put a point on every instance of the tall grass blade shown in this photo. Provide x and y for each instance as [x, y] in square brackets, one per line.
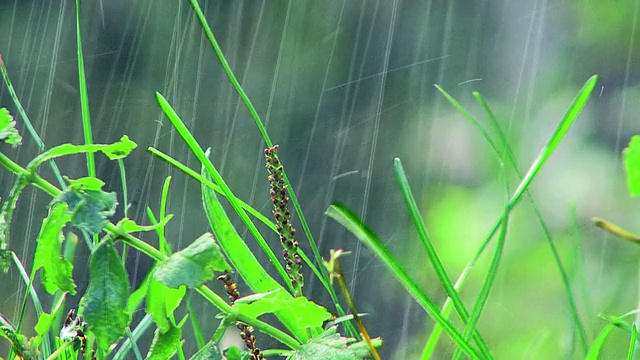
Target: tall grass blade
[353, 224]
[632, 345]
[423, 235]
[564, 125]
[263, 131]
[84, 98]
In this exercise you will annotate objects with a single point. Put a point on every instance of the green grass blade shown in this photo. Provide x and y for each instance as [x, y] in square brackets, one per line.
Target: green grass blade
[84, 98]
[423, 235]
[27, 122]
[195, 325]
[217, 178]
[632, 344]
[568, 119]
[247, 208]
[353, 224]
[596, 347]
[267, 140]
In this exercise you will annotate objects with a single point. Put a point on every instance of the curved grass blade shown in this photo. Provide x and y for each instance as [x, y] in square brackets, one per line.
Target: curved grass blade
[353, 224]
[217, 178]
[564, 125]
[423, 235]
[269, 143]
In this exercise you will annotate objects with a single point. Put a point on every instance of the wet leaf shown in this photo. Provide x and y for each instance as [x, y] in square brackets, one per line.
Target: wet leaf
[330, 345]
[162, 301]
[57, 271]
[164, 343]
[88, 203]
[103, 305]
[193, 265]
[8, 131]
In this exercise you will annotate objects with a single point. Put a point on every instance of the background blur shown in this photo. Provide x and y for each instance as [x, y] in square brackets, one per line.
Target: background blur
[344, 87]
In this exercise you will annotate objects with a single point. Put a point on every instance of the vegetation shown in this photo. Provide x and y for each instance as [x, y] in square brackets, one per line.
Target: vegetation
[102, 327]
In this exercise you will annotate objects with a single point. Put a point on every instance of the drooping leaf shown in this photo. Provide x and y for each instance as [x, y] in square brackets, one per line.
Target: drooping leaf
[164, 343]
[632, 165]
[193, 265]
[330, 345]
[307, 313]
[57, 271]
[88, 203]
[209, 352]
[8, 131]
[104, 304]
[162, 301]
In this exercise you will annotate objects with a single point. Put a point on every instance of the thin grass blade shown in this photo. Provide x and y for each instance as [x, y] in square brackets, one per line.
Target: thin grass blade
[353, 224]
[423, 235]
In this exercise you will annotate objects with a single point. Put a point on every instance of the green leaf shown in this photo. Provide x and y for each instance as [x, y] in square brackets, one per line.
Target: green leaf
[57, 272]
[115, 151]
[193, 265]
[19, 343]
[208, 352]
[308, 314]
[103, 305]
[8, 131]
[162, 301]
[87, 202]
[42, 328]
[632, 165]
[332, 346]
[164, 343]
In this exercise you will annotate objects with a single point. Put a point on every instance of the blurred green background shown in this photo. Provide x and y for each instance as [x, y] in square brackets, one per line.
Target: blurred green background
[344, 87]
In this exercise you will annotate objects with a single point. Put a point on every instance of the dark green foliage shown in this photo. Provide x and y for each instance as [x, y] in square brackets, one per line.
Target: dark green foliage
[193, 265]
[104, 304]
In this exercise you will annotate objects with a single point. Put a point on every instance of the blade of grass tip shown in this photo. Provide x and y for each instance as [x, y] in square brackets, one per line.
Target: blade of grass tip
[570, 116]
[27, 122]
[596, 347]
[163, 245]
[423, 235]
[492, 272]
[84, 98]
[217, 178]
[253, 212]
[353, 224]
[265, 136]
[568, 119]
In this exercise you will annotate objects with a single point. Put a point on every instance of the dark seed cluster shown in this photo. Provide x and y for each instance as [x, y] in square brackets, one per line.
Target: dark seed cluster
[282, 216]
[246, 331]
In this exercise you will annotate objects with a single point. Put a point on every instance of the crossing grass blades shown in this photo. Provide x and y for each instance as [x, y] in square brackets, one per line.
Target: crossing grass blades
[80, 213]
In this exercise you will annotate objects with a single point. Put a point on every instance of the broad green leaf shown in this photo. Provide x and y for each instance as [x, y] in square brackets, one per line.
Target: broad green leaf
[208, 352]
[89, 205]
[330, 345]
[104, 304]
[8, 131]
[57, 272]
[307, 313]
[193, 265]
[632, 165]
[138, 295]
[164, 343]
[162, 301]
